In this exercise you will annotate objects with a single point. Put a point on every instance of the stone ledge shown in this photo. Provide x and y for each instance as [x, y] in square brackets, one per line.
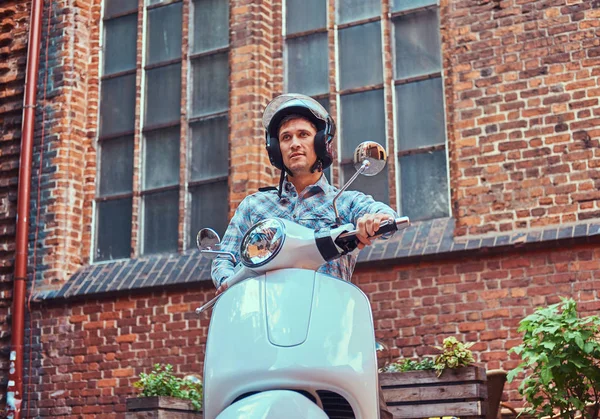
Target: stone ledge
[422, 239]
[436, 237]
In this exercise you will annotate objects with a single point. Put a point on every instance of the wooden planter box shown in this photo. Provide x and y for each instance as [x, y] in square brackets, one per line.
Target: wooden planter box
[160, 407]
[460, 392]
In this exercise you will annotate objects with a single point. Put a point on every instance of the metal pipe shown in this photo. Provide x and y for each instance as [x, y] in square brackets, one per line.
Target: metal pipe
[14, 393]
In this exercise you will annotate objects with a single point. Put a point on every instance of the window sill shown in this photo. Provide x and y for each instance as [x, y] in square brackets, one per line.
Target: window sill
[156, 271]
[435, 239]
[423, 240]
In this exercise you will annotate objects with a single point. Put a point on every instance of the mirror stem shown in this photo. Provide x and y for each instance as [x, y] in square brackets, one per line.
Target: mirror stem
[364, 166]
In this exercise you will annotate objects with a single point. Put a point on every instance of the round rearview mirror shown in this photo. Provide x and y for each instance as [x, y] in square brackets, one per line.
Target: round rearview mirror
[208, 239]
[373, 153]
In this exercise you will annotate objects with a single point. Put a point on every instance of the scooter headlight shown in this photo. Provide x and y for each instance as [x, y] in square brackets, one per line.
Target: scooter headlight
[262, 242]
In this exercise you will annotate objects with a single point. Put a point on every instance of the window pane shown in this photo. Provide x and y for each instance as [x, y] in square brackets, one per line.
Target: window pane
[117, 105]
[360, 56]
[417, 37]
[163, 95]
[363, 119]
[305, 15]
[376, 186]
[161, 213]
[353, 10]
[209, 209]
[307, 64]
[411, 4]
[120, 37]
[324, 102]
[116, 166]
[210, 149]
[161, 158]
[211, 84]
[113, 229]
[420, 111]
[211, 25]
[424, 182]
[164, 33]
[115, 7]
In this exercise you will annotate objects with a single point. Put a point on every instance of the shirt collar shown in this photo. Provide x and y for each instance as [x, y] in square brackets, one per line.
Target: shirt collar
[321, 185]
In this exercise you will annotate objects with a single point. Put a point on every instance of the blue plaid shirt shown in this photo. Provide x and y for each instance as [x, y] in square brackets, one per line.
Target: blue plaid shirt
[313, 208]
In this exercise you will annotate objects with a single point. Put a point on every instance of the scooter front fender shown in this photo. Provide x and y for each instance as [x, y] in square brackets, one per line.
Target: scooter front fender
[275, 404]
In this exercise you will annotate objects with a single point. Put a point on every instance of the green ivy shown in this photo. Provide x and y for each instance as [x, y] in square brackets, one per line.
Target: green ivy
[162, 382]
[561, 362]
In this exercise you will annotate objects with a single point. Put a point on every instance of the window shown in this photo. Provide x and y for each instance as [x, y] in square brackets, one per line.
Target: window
[365, 96]
[420, 122]
[307, 51]
[173, 170]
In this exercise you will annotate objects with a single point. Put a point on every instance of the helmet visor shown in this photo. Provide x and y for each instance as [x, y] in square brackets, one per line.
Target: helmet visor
[293, 99]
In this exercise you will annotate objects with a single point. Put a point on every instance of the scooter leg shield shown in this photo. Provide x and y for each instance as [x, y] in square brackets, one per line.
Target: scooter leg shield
[276, 404]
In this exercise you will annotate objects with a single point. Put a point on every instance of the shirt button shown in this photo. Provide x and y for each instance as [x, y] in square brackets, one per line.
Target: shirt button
[294, 216]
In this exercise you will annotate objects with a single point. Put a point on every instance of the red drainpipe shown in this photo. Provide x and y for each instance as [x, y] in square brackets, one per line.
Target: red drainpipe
[14, 393]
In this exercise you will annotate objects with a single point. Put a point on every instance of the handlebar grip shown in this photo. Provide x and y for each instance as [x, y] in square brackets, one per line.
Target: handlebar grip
[348, 241]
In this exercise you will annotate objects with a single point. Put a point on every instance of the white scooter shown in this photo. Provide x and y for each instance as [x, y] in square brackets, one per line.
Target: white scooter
[284, 341]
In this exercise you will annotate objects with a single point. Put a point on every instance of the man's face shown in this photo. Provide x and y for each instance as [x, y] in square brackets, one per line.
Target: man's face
[297, 144]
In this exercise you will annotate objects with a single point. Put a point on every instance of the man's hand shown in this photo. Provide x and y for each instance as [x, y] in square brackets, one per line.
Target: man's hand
[222, 288]
[367, 225]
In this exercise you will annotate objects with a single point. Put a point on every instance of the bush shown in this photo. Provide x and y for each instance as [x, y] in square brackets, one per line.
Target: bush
[162, 382]
[561, 360]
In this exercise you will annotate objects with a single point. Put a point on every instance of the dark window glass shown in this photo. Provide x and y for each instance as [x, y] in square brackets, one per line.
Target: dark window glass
[117, 105]
[424, 183]
[211, 84]
[163, 95]
[363, 119]
[377, 186]
[161, 220]
[399, 5]
[161, 158]
[420, 114]
[305, 15]
[113, 229]
[117, 7]
[210, 149]
[211, 25]
[120, 37]
[360, 56]
[116, 166]
[164, 33]
[209, 208]
[307, 64]
[417, 37]
[353, 10]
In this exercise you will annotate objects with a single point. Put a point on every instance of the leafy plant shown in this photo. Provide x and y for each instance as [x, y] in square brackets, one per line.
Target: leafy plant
[454, 354]
[561, 359]
[404, 365]
[162, 382]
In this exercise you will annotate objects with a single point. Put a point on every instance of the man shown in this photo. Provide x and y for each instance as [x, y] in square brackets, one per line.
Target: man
[299, 132]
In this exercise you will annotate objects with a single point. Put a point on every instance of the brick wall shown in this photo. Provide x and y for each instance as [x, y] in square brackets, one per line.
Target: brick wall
[522, 86]
[526, 83]
[87, 354]
[67, 91]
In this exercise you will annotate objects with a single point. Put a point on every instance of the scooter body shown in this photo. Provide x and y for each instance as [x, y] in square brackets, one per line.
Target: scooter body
[291, 334]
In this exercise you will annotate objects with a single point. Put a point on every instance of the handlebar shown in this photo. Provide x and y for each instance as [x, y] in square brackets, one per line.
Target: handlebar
[349, 242]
